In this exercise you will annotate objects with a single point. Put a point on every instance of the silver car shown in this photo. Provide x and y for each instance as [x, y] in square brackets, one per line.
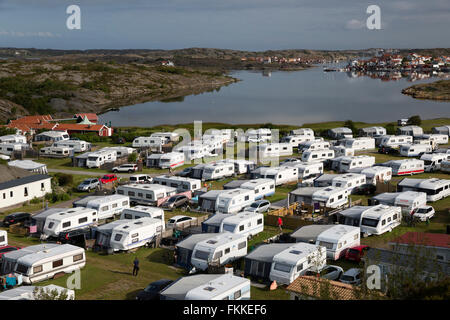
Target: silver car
[88, 185]
[352, 276]
[259, 206]
[329, 272]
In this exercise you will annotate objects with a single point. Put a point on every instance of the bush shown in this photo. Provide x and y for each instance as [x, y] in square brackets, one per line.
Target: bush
[390, 128]
[64, 179]
[415, 120]
[349, 124]
[132, 157]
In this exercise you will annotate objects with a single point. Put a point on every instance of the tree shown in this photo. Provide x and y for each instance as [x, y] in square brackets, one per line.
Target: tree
[415, 120]
[390, 128]
[349, 124]
[47, 294]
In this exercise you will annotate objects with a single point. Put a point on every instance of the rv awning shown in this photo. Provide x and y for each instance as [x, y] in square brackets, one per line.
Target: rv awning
[304, 192]
[216, 219]
[309, 233]
[182, 286]
[354, 212]
[190, 242]
[266, 252]
[234, 184]
[387, 197]
[211, 195]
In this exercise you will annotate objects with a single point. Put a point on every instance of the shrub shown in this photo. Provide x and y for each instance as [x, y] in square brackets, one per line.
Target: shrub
[64, 179]
[415, 120]
[132, 157]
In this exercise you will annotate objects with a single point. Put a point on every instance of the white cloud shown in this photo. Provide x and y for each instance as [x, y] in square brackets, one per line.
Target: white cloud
[354, 24]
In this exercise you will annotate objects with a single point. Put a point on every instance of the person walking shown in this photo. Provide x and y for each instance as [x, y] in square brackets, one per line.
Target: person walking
[135, 267]
[170, 170]
[280, 224]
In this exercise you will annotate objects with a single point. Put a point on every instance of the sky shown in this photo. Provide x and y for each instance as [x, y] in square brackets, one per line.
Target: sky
[230, 24]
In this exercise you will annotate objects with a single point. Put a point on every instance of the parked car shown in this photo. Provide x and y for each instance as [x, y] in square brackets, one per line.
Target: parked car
[388, 150]
[174, 221]
[125, 168]
[259, 206]
[329, 272]
[176, 202]
[88, 184]
[186, 172]
[6, 249]
[17, 217]
[356, 253]
[75, 237]
[151, 292]
[351, 276]
[107, 178]
[423, 213]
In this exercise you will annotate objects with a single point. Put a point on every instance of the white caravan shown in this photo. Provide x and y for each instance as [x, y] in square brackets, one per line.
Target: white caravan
[135, 233]
[405, 166]
[372, 131]
[169, 136]
[436, 138]
[295, 141]
[433, 161]
[363, 143]
[380, 219]
[223, 287]
[436, 189]
[165, 160]
[109, 206]
[193, 150]
[76, 145]
[219, 250]
[13, 138]
[302, 132]
[55, 152]
[121, 152]
[414, 131]
[341, 151]
[338, 239]
[138, 212]
[258, 135]
[182, 184]
[98, 158]
[317, 155]
[234, 200]
[219, 170]
[349, 181]
[293, 262]
[225, 135]
[241, 166]
[313, 145]
[261, 187]
[3, 238]
[347, 164]
[307, 172]
[149, 142]
[395, 141]
[9, 148]
[281, 175]
[414, 150]
[406, 200]
[269, 150]
[69, 219]
[146, 193]
[331, 197]
[43, 261]
[244, 223]
[375, 174]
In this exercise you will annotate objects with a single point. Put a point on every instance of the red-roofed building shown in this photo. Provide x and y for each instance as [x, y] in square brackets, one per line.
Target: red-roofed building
[438, 242]
[90, 116]
[101, 130]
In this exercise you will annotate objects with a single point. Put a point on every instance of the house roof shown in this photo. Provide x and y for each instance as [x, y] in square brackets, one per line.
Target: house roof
[91, 116]
[311, 286]
[427, 239]
[80, 127]
[24, 180]
[8, 173]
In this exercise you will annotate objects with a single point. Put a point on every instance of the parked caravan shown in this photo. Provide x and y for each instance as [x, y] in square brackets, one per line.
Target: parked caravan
[325, 180]
[138, 212]
[302, 132]
[165, 160]
[234, 200]
[213, 223]
[436, 138]
[313, 145]
[408, 201]
[55, 152]
[294, 141]
[293, 262]
[330, 197]
[261, 187]
[136, 233]
[404, 167]
[441, 130]
[349, 181]
[258, 135]
[363, 143]
[9, 148]
[269, 150]
[69, 219]
[169, 136]
[415, 150]
[445, 166]
[3, 238]
[217, 170]
[43, 261]
[281, 175]
[98, 158]
[375, 174]
[317, 155]
[340, 133]
[76, 145]
[341, 151]
[346, 164]
[307, 172]
[149, 142]
[109, 206]
[146, 193]
[28, 292]
[436, 189]
[13, 138]
[207, 201]
[121, 152]
[52, 136]
[414, 131]
[219, 250]
[432, 161]
[335, 238]
[244, 223]
[194, 150]
[182, 184]
[241, 166]
[258, 262]
[208, 287]
[395, 141]
[372, 131]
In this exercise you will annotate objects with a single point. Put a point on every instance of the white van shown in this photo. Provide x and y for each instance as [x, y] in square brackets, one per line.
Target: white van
[98, 158]
[234, 200]
[135, 233]
[415, 150]
[182, 184]
[245, 223]
[146, 193]
[109, 206]
[317, 155]
[55, 152]
[314, 144]
[69, 219]
[363, 143]
[76, 145]
[281, 175]
[432, 161]
[261, 187]
[217, 170]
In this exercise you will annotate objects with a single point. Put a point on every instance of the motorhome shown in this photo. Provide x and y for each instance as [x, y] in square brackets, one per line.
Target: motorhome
[218, 170]
[432, 161]
[261, 187]
[281, 175]
[146, 194]
[302, 132]
[3, 238]
[313, 145]
[329, 197]
[219, 250]
[395, 141]
[234, 200]
[340, 133]
[245, 223]
[335, 238]
[405, 166]
[363, 143]
[109, 206]
[69, 219]
[372, 131]
[55, 152]
[436, 138]
[436, 189]
[9, 148]
[13, 138]
[317, 155]
[43, 261]
[293, 262]
[415, 150]
[346, 164]
[341, 151]
[76, 145]
[307, 172]
[165, 160]
[406, 200]
[349, 181]
[149, 142]
[98, 158]
[375, 174]
[182, 184]
[136, 233]
[295, 141]
[269, 150]
[414, 131]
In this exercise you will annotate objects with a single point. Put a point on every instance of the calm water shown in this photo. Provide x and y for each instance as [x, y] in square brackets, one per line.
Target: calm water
[287, 98]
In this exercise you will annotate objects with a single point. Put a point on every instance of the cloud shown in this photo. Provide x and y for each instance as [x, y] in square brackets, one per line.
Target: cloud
[354, 24]
[41, 34]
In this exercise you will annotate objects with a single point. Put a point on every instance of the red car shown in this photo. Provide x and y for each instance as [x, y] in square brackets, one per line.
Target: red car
[6, 249]
[108, 178]
[356, 253]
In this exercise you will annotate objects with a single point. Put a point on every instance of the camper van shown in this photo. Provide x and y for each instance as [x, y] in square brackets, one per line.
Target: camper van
[165, 160]
[135, 233]
[395, 141]
[313, 145]
[43, 261]
[234, 200]
[375, 174]
[9, 148]
[281, 175]
[317, 155]
[138, 212]
[293, 262]
[69, 219]
[76, 145]
[432, 161]
[244, 223]
[217, 170]
[181, 183]
[349, 181]
[414, 150]
[295, 141]
[261, 187]
[98, 158]
[3, 238]
[55, 152]
[380, 219]
[364, 143]
[269, 150]
[146, 193]
[405, 167]
[436, 189]
[219, 250]
[109, 206]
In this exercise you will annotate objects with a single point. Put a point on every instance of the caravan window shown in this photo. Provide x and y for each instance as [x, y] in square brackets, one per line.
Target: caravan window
[57, 263]
[228, 227]
[227, 250]
[118, 237]
[237, 295]
[66, 224]
[82, 220]
[22, 268]
[241, 228]
[282, 267]
[202, 255]
[325, 244]
[242, 245]
[78, 257]
[37, 269]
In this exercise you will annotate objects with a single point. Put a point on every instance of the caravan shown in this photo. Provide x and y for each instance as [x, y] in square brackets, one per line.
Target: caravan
[302, 132]
[136, 233]
[433, 161]
[55, 152]
[364, 143]
[3, 238]
[349, 181]
[307, 172]
[269, 150]
[109, 206]
[219, 250]
[181, 183]
[317, 155]
[313, 145]
[165, 160]
[217, 170]
[244, 223]
[295, 141]
[395, 141]
[331, 197]
[234, 200]
[375, 174]
[404, 167]
[261, 187]
[98, 158]
[281, 175]
[436, 138]
[69, 219]
[13, 138]
[9, 148]
[346, 164]
[76, 145]
[145, 194]
[408, 201]
[149, 142]
[415, 150]
[138, 212]
[436, 189]
[258, 135]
